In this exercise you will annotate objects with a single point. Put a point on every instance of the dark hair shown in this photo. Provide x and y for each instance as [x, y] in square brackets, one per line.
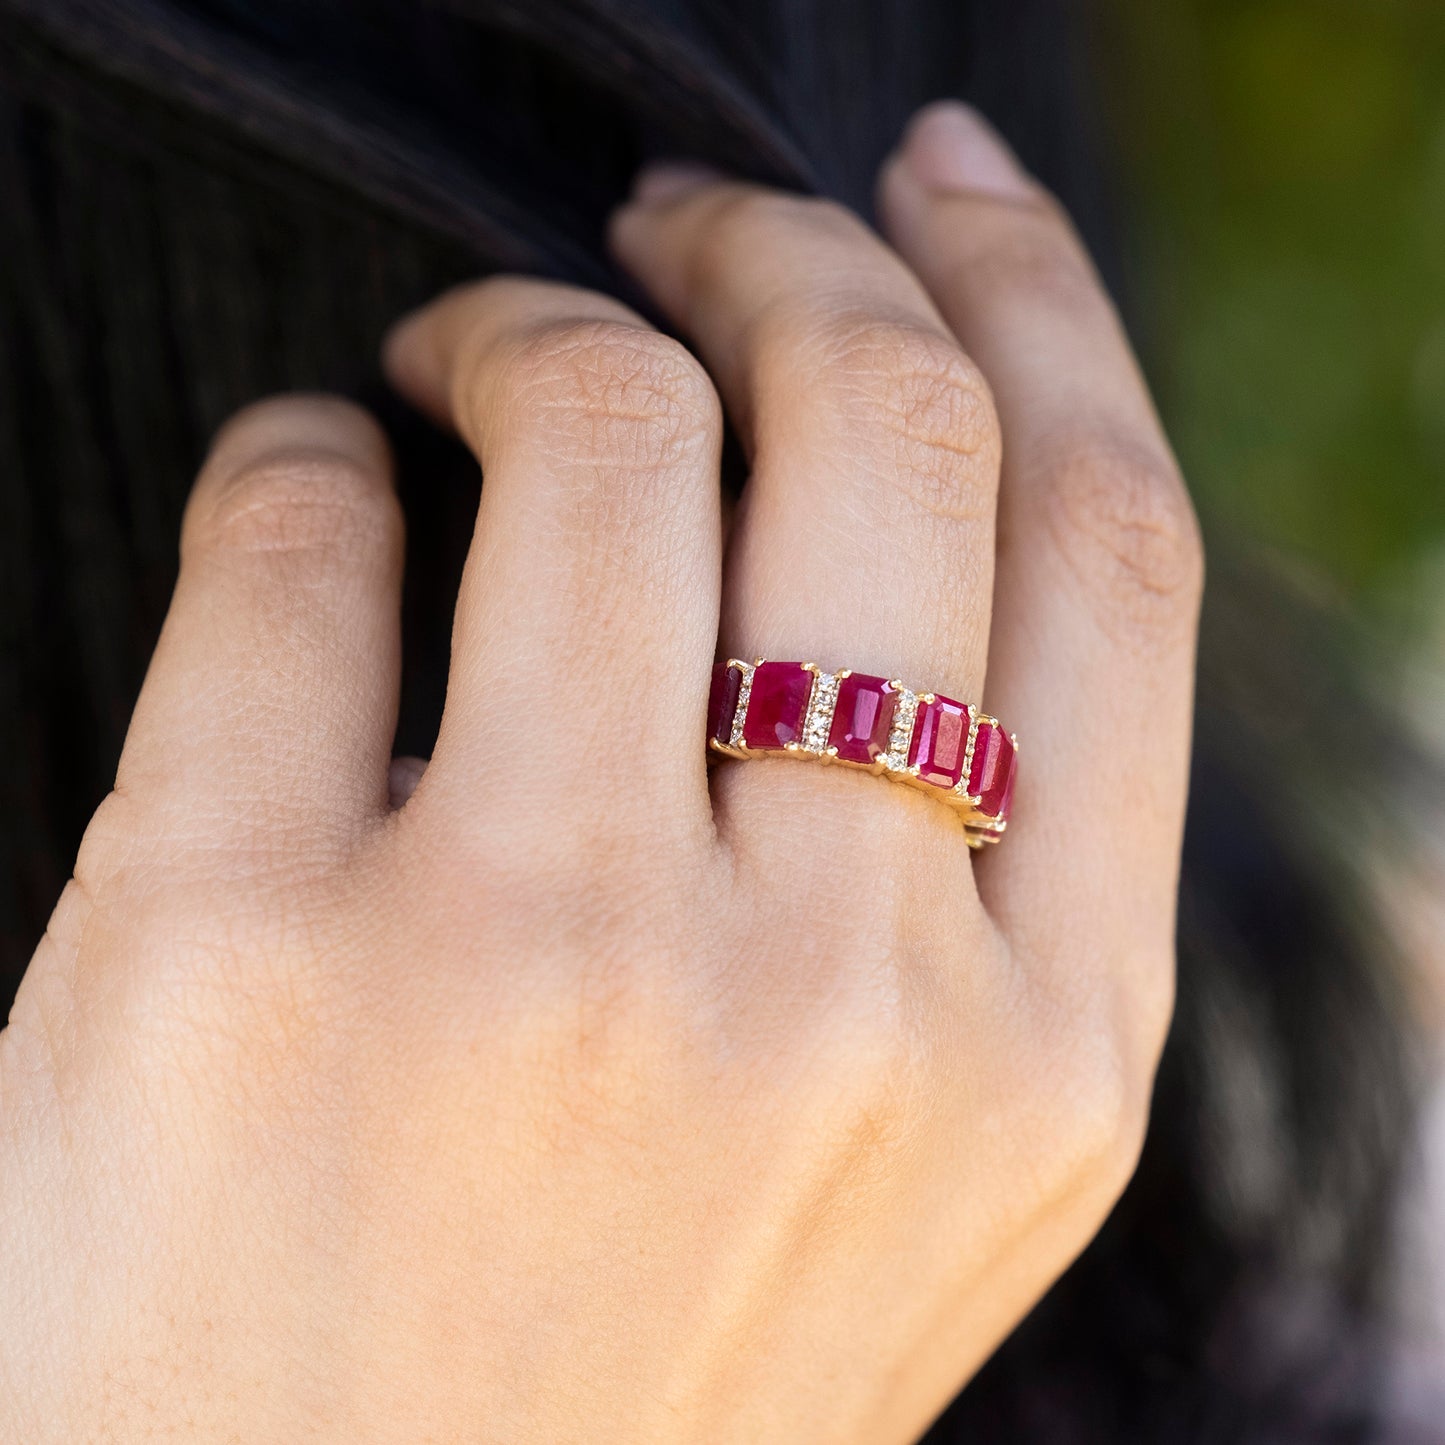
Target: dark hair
[209, 200]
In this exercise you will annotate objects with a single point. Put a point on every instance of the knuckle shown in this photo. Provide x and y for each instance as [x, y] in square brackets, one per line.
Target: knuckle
[1122, 517]
[215, 967]
[1087, 1135]
[868, 1061]
[613, 392]
[300, 501]
[873, 1069]
[916, 392]
[1110, 1117]
[1099, 1054]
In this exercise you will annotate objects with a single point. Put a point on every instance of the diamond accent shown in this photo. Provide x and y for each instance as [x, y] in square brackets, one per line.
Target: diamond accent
[745, 689]
[896, 758]
[960, 788]
[819, 719]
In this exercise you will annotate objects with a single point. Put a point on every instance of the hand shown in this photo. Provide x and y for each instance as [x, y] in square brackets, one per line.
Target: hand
[573, 1100]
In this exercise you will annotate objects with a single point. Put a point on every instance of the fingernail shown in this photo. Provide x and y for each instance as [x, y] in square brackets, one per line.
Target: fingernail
[665, 181]
[949, 146]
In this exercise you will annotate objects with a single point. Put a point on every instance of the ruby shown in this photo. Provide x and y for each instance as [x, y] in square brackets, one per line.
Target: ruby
[722, 702]
[940, 740]
[862, 718]
[1006, 804]
[776, 705]
[990, 779]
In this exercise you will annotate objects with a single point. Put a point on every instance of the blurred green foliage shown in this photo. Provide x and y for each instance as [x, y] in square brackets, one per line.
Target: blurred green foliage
[1285, 170]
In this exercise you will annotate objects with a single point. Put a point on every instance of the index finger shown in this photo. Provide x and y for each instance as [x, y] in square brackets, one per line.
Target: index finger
[1099, 569]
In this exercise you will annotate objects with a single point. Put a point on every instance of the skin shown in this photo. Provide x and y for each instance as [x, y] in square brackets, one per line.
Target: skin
[565, 1091]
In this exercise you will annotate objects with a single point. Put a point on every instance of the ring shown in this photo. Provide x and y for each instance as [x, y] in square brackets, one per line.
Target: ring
[949, 749]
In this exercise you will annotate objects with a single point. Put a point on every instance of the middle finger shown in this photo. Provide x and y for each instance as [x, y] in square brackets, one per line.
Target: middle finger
[865, 537]
[589, 598]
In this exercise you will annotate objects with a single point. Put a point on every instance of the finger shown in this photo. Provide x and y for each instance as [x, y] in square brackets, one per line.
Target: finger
[587, 618]
[271, 700]
[1099, 565]
[865, 536]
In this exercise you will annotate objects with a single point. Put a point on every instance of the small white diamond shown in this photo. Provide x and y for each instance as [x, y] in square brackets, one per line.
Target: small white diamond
[896, 758]
[819, 718]
[745, 688]
[961, 787]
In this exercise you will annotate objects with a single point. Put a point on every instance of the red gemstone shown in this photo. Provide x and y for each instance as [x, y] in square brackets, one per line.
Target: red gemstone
[776, 705]
[862, 718]
[722, 702]
[990, 779]
[940, 739]
[1005, 806]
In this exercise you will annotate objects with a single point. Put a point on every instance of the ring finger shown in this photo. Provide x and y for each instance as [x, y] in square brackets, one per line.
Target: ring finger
[866, 534]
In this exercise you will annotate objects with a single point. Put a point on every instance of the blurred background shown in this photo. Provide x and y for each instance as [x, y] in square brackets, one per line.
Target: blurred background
[1283, 186]
[1284, 167]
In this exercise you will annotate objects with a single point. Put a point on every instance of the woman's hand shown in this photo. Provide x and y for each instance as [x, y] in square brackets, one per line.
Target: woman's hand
[574, 1100]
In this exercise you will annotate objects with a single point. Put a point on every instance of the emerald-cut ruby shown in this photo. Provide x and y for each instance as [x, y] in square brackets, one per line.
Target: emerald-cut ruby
[776, 704]
[862, 718]
[991, 777]
[722, 702]
[940, 740]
